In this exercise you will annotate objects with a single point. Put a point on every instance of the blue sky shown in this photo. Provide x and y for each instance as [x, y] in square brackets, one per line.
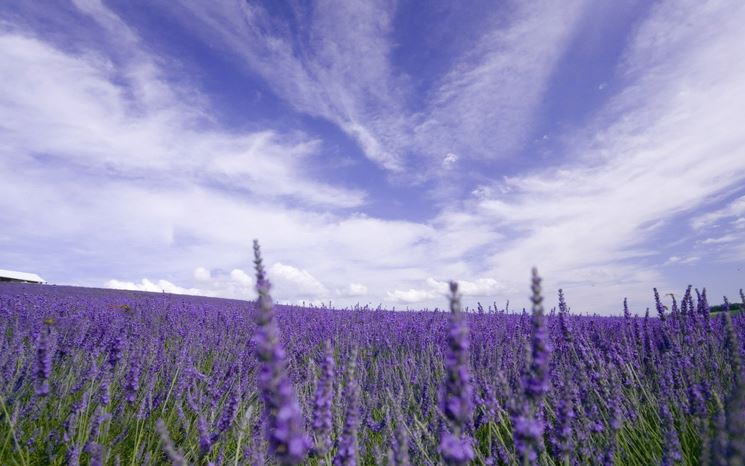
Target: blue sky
[376, 148]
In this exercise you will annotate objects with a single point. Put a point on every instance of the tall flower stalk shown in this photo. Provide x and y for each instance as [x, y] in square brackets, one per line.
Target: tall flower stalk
[347, 450]
[44, 359]
[735, 409]
[527, 421]
[324, 397]
[283, 421]
[456, 399]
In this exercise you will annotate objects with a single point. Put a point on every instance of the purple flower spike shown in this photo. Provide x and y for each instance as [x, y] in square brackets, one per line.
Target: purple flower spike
[671, 451]
[322, 416]
[456, 450]
[115, 354]
[230, 410]
[133, 382]
[44, 360]
[732, 447]
[658, 305]
[536, 384]
[347, 453]
[400, 452]
[105, 391]
[562, 438]
[527, 424]
[176, 457]
[626, 312]
[456, 399]
[205, 438]
[283, 420]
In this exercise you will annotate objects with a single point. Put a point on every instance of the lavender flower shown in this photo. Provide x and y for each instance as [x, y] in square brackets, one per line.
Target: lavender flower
[732, 346]
[658, 304]
[685, 302]
[44, 360]
[456, 399]
[104, 389]
[133, 382]
[536, 383]
[229, 412]
[626, 312]
[322, 418]
[735, 412]
[347, 453]
[614, 425]
[735, 426]
[72, 456]
[566, 332]
[95, 450]
[282, 416]
[562, 439]
[176, 457]
[400, 451]
[527, 423]
[456, 450]
[205, 436]
[115, 353]
[671, 451]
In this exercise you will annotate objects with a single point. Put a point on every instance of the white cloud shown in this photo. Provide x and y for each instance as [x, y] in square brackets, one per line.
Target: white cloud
[84, 110]
[353, 290]
[438, 290]
[300, 281]
[201, 274]
[344, 74]
[241, 277]
[720, 239]
[158, 287]
[449, 161]
[480, 287]
[682, 260]
[484, 105]
[410, 296]
[735, 208]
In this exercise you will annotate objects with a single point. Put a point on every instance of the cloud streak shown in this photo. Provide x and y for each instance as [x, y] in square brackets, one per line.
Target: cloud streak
[334, 61]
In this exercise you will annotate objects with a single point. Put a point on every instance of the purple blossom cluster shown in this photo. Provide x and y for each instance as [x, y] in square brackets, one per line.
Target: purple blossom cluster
[528, 419]
[456, 400]
[108, 377]
[284, 423]
[323, 421]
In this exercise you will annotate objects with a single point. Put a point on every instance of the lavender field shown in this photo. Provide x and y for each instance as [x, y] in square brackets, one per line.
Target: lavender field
[113, 377]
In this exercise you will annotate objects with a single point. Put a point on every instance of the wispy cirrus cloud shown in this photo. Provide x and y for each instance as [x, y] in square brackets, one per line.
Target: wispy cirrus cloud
[331, 62]
[334, 61]
[485, 105]
[733, 211]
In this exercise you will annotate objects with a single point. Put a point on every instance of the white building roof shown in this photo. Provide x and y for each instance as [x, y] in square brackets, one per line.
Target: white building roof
[25, 276]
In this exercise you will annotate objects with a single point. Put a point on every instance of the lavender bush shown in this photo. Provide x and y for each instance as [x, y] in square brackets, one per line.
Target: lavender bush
[93, 376]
